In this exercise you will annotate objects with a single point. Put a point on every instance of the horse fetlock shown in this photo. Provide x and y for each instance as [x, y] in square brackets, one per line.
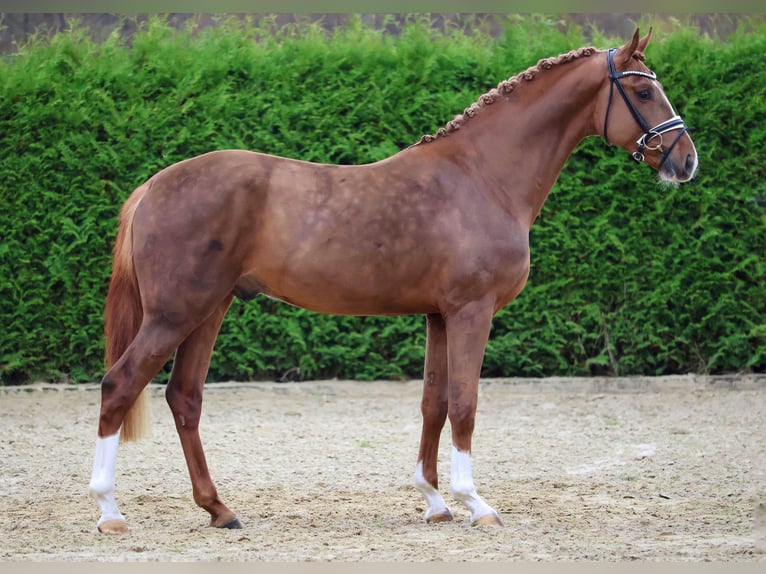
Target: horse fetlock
[208, 499]
[222, 517]
[481, 512]
[112, 520]
[100, 486]
[437, 510]
[463, 493]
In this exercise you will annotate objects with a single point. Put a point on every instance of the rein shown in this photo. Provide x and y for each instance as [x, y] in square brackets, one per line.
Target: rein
[674, 123]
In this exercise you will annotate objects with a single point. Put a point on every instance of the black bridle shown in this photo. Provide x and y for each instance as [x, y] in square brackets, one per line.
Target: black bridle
[674, 123]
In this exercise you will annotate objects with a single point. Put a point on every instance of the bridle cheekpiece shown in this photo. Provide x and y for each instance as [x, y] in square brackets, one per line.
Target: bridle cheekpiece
[655, 133]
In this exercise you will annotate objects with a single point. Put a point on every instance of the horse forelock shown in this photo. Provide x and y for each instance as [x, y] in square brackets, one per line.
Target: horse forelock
[505, 88]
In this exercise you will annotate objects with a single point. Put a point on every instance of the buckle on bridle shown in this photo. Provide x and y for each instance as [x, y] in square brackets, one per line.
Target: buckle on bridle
[643, 141]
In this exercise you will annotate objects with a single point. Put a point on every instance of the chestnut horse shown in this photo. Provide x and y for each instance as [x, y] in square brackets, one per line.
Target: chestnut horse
[440, 228]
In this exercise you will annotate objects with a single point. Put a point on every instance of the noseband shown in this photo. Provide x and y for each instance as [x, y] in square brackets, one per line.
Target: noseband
[674, 123]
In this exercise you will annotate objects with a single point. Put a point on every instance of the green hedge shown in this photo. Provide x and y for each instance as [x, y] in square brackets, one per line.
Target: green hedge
[628, 276]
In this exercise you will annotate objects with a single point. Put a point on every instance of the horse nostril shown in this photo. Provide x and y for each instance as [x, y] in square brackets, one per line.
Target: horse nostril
[689, 163]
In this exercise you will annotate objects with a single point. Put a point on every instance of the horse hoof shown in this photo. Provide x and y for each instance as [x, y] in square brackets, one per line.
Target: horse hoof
[488, 520]
[232, 524]
[445, 516]
[113, 527]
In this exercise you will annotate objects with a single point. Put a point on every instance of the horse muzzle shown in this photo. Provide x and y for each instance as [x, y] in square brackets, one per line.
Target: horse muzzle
[673, 167]
[679, 171]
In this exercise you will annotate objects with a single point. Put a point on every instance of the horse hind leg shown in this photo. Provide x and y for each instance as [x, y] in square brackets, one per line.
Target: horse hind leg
[434, 410]
[121, 386]
[102, 485]
[184, 396]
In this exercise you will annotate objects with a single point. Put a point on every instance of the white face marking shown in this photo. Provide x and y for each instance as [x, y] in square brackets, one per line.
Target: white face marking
[102, 478]
[667, 101]
[462, 487]
[434, 500]
[673, 178]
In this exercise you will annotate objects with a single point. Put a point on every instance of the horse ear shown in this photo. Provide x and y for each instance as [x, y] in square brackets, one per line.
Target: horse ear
[625, 53]
[644, 42]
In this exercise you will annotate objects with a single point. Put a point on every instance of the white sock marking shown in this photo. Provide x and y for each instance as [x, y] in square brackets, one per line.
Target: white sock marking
[462, 487]
[102, 478]
[434, 500]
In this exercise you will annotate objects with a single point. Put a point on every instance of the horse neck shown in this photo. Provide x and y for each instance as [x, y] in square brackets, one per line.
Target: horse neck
[519, 144]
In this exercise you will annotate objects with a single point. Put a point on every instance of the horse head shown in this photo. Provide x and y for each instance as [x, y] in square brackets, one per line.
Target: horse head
[638, 116]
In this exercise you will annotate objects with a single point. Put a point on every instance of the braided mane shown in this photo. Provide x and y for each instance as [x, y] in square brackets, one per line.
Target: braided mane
[504, 88]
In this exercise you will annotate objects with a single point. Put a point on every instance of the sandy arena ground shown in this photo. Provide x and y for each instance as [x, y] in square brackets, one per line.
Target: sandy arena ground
[670, 468]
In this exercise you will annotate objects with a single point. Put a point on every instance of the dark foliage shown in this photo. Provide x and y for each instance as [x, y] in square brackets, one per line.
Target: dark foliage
[628, 276]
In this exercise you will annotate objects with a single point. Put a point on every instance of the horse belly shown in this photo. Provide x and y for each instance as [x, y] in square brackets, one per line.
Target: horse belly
[358, 284]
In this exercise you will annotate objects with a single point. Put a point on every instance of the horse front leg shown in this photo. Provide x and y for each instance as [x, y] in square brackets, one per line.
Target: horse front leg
[467, 334]
[434, 410]
[184, 396]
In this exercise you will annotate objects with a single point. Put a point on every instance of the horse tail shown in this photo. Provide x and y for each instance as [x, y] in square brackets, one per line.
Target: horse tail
[123, 313]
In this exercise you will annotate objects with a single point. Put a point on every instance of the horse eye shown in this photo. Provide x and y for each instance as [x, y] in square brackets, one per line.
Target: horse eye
[645, 95]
